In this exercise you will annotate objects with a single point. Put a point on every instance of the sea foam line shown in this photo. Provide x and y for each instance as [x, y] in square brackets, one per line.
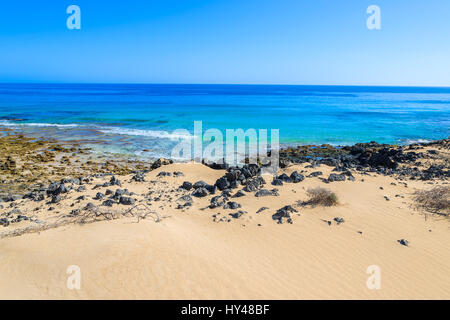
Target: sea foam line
[105, 129]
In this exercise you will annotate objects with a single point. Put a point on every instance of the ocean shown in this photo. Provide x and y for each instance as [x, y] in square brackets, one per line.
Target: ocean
[140, 119]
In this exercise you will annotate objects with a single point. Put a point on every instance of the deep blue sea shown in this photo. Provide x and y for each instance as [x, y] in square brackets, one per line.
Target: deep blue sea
[133, 117]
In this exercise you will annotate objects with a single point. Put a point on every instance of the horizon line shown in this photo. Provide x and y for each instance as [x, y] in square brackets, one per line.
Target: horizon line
[225, 84]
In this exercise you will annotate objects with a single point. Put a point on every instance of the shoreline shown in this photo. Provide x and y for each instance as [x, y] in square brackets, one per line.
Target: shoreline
[141, 230]
[71, 159]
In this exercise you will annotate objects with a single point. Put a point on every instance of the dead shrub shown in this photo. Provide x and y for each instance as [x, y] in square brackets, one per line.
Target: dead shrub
[321, 197]
[435, 200]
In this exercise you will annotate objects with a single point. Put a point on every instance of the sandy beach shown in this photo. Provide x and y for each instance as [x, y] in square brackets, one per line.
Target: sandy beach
[162, 241]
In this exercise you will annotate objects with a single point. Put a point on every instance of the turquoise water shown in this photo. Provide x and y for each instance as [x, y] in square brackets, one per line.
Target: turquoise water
[131, 118]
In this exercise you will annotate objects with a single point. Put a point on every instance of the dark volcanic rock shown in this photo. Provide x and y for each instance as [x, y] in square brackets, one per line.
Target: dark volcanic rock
[161, 162]
[56, 188]
[56, 198]
[127, 201]
[265, 193]
[222, 183]
[284, 212]
[90, 206]
[261, 209]
[217, 201]
[200, 192]
[4, 222]
[239, 194]
[99, 196]
[254, 184]
[232, 205]
[139, 177]
[238, 214]
[35, 196]
[164, 174]
[115, 182]
[186, 186]
[277, 182]
[200, 184]
[108, 203]
[336, 177]
[297, 177]
[285, 178]
[211, 189]
[315, 174]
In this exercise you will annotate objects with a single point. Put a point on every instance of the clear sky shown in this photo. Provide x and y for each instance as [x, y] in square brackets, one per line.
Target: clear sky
[227, 41]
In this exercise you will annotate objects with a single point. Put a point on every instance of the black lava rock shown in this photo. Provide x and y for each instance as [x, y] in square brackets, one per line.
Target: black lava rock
[336, 177]
[200, 192]
[186, 186]
[127, 201]
[297, 177]
[139, 177]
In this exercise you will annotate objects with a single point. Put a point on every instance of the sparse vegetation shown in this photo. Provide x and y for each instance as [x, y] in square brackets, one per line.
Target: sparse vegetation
[435, 200]
[95, 214]
[321, 197]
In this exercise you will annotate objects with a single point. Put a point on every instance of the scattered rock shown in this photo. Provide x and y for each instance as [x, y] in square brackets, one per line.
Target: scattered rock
[222, 183]
[139, 177]
[232, 205]
[336, 177]
[297, 177]
[164, 174]
[200, 192]
[127, 201]
[265, 193]
[261, 209]
[108, 203]
[186, 186]
[284, 212]
[99, 196]
[238, 214]
[161, 162]
[277, 182]
[285, 178]
[239, 194]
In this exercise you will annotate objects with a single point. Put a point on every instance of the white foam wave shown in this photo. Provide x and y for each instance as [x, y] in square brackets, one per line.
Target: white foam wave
[145, 133]
[16, 124]
[414, 141]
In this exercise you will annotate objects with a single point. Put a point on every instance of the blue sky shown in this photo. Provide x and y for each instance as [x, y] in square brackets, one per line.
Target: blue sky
[227, 41]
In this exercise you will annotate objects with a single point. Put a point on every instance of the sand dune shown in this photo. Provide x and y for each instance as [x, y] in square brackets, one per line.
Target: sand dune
[188, 256]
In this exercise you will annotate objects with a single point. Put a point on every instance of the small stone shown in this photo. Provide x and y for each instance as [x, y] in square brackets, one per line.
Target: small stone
[239, 194]
[277, 182]
[127, 201]
[261, 209]
[99, 196]
[139, 177]
[200, 193]
[108, 203]
[186, 186]
[56, 199]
